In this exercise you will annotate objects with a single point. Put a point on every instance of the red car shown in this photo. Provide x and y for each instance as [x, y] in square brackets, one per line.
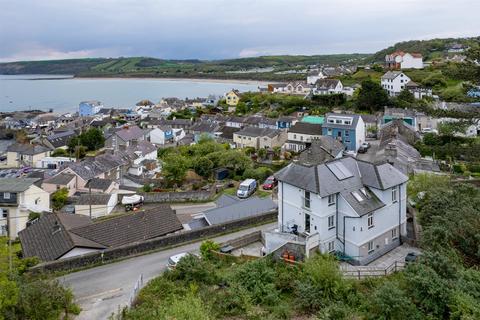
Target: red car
[270, 183]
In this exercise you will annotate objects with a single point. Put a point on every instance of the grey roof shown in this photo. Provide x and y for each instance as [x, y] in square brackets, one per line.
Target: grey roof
[400, 112]
[226, 200]
[325, 180]
[99, 183]
[241, 209]
[197, 223]
[61, 139]
[49, 238]
[352, 125]
[306, 128]
[90, 168]
[204, 126]
[93, 102]
[227, 132]
[16, 184]
[322, 149]
[326, 84]
[27, 149]
[390, 75]
[62, 178]
[258, 132]
[369, 118]
[130, 228]
[94, 199]
[130, 133]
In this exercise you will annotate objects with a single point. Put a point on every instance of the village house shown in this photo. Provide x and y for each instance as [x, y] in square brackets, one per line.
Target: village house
[59, 140]
[89, 108]
[394, 82]
[301, 134]
[19, 155]
[18, 197]
[60, 181]
[232, 97]
[314, 76]
[344, 205]
[61, 235]
[96, 205]
[298, 87]
[327, 86]
[124, 137]
[404, 60]
[53, 162]
[259, 138]
[346, 128]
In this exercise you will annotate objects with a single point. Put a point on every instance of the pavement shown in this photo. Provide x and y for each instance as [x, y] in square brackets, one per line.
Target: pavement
[106, 289]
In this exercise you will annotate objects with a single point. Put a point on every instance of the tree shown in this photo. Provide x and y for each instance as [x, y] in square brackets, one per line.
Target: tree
[59, 153]
[372, 96]
[203, 166]
[207, 247]
[59, 198]
[174, 169]
[407, 96]
[92, 139]
[262, 153]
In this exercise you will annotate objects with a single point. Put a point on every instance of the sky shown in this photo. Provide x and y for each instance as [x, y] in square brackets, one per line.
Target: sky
[218, 29]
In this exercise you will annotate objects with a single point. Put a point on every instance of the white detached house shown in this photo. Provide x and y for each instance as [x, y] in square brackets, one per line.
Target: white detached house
[351, 207]
[394, 82]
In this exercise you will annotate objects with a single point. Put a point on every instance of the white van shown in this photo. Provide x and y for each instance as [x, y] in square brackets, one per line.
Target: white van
[246, 188]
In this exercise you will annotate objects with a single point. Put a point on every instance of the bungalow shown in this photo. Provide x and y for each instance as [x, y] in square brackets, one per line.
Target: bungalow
[96, 205]
[18, 197]
[344, 205]
[347, 128]
[327, 86]
[19, 155]
[60, 236]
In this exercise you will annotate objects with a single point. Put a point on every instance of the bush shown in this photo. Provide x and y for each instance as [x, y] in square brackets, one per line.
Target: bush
[259, 174]
[59, 198]
[207, 247]
[193, 269]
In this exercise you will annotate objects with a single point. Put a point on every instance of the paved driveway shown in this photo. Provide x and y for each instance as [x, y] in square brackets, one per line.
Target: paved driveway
[103, 290]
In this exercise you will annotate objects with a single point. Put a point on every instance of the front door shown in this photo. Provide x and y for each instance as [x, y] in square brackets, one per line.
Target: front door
[307, 223]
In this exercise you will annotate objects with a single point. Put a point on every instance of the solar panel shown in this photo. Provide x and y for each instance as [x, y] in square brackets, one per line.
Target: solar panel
[339, 170]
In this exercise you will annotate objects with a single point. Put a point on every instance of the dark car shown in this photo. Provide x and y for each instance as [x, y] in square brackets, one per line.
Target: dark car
[270, 183]
[411, 257]
[362, 150]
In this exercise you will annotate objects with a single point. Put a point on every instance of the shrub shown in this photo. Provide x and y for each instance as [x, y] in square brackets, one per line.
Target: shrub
[192, 268]
[59, 198]
[207, 247]
[259, 174]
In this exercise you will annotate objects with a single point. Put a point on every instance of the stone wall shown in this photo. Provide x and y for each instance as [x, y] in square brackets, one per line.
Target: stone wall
[245, 240]
[132, 249]
[200, 195]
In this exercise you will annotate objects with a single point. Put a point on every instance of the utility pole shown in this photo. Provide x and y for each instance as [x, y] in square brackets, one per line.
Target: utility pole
[90, 196]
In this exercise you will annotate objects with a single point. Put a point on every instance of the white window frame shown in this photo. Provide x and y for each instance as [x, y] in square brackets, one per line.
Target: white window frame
[370, 247]
[305, 199]
[394, 234]
[6, 195]
[331, 200]
[394, 194]
[370, 223]
[331, 246]
[331, 222]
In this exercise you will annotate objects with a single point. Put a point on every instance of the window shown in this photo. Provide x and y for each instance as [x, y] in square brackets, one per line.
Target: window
[331, 121]
[347, 122]
[331, 222]
[370, 220]
[338, 121]
[329, 131]
[331, 200]
[294, 136]
[6, 195]
[4, 213]
[347, 133]
[394, 194]
[339, 133]
[370, 247]
[331, 246]
[394, 234]
[306, 200]
[307, 223]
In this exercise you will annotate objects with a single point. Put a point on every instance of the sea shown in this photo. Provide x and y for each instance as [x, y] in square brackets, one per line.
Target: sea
[63, 93]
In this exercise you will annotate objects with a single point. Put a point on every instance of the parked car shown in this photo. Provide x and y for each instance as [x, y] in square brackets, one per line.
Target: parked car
[269, 183]
[365, 145]
[362, 150]
[246, 188]
[411, 257]
[429, 130]
[173, 260]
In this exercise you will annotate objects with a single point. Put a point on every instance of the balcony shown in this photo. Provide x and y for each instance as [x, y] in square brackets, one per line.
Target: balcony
[275, 239]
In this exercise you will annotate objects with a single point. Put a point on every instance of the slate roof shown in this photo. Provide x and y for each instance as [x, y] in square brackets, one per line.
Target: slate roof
[227, 132]
[99, 184]
[390, 75]
[325, 180]
[16, 184]
[27, 149]
[369, 118]
[326, 84]
[130, 133]
[60, 139]
[49, 238]
[306, 128]
[204, 126]
[351, 126]
[94, 199]
[322, 149]
[197, 223]
[226, 200]
[238, 210]
[258, 132]
[130, 228]
[90, 168]
[62, 178]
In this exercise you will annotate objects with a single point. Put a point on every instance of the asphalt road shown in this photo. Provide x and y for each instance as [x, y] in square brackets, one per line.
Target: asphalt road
[104, 290]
